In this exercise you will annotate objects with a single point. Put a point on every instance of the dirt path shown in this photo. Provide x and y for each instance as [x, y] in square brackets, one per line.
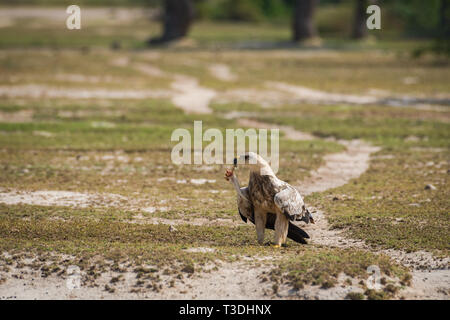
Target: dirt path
[42, 92]
[279, 93]
[289, 132]
[190, 96]
[317, 96]
[28, 284]
[186, 92]
[339, 168]
[222, 72]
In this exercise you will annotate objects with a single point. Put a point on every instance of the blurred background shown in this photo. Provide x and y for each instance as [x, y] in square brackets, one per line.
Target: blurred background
[239, 23]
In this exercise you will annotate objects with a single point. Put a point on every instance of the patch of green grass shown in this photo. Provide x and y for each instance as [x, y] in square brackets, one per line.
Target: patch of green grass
[322, 267]
[226, 32]
[42, 213]
[139, 127]
[149, 182]
[389, 205]
[355, 296]
[376, 294]
[82, 135]
[343, 112]
[82, 69]
[224, 108]
[345, 71]
[106, 239]
[41, 33]
[389, 132]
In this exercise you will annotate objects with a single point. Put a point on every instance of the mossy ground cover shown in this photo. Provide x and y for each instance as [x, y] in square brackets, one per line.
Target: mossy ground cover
[90, 234]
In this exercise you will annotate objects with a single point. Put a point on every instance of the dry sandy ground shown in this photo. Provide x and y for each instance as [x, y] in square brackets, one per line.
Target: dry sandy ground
[190, 96]
[222, 72]
[231, 280]
[223, 284]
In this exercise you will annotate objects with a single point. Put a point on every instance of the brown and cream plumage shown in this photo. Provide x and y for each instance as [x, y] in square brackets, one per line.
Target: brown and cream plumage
[269, 202]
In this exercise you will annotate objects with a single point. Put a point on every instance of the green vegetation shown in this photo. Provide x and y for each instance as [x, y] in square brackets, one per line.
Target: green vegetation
[322, 267]
[87, 234]
[396, 210]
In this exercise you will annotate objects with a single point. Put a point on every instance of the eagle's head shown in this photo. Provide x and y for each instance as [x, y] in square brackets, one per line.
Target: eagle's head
[255, 161]
[247, 158]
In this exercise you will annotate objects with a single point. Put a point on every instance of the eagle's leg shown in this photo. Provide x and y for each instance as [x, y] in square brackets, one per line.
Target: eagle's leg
[260, 223]
[281, 229]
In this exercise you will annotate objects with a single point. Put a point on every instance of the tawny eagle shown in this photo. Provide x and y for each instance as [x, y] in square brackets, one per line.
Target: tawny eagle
[269, 202]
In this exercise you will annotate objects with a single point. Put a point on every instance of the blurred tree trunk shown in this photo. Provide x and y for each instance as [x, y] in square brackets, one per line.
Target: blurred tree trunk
[178, 15]
[359, 28]
[442, 43]
[444, 19]
[303, 25]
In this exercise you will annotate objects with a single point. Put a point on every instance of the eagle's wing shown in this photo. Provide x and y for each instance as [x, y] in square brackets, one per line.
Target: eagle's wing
[290, 202]
[245, 207]
[246, 211]
[244, 218]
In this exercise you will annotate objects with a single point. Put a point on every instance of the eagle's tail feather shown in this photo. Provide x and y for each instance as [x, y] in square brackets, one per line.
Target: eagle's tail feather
[297, 234]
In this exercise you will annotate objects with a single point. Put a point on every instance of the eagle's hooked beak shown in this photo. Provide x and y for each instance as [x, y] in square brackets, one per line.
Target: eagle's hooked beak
[308, 218]
[311, 219]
